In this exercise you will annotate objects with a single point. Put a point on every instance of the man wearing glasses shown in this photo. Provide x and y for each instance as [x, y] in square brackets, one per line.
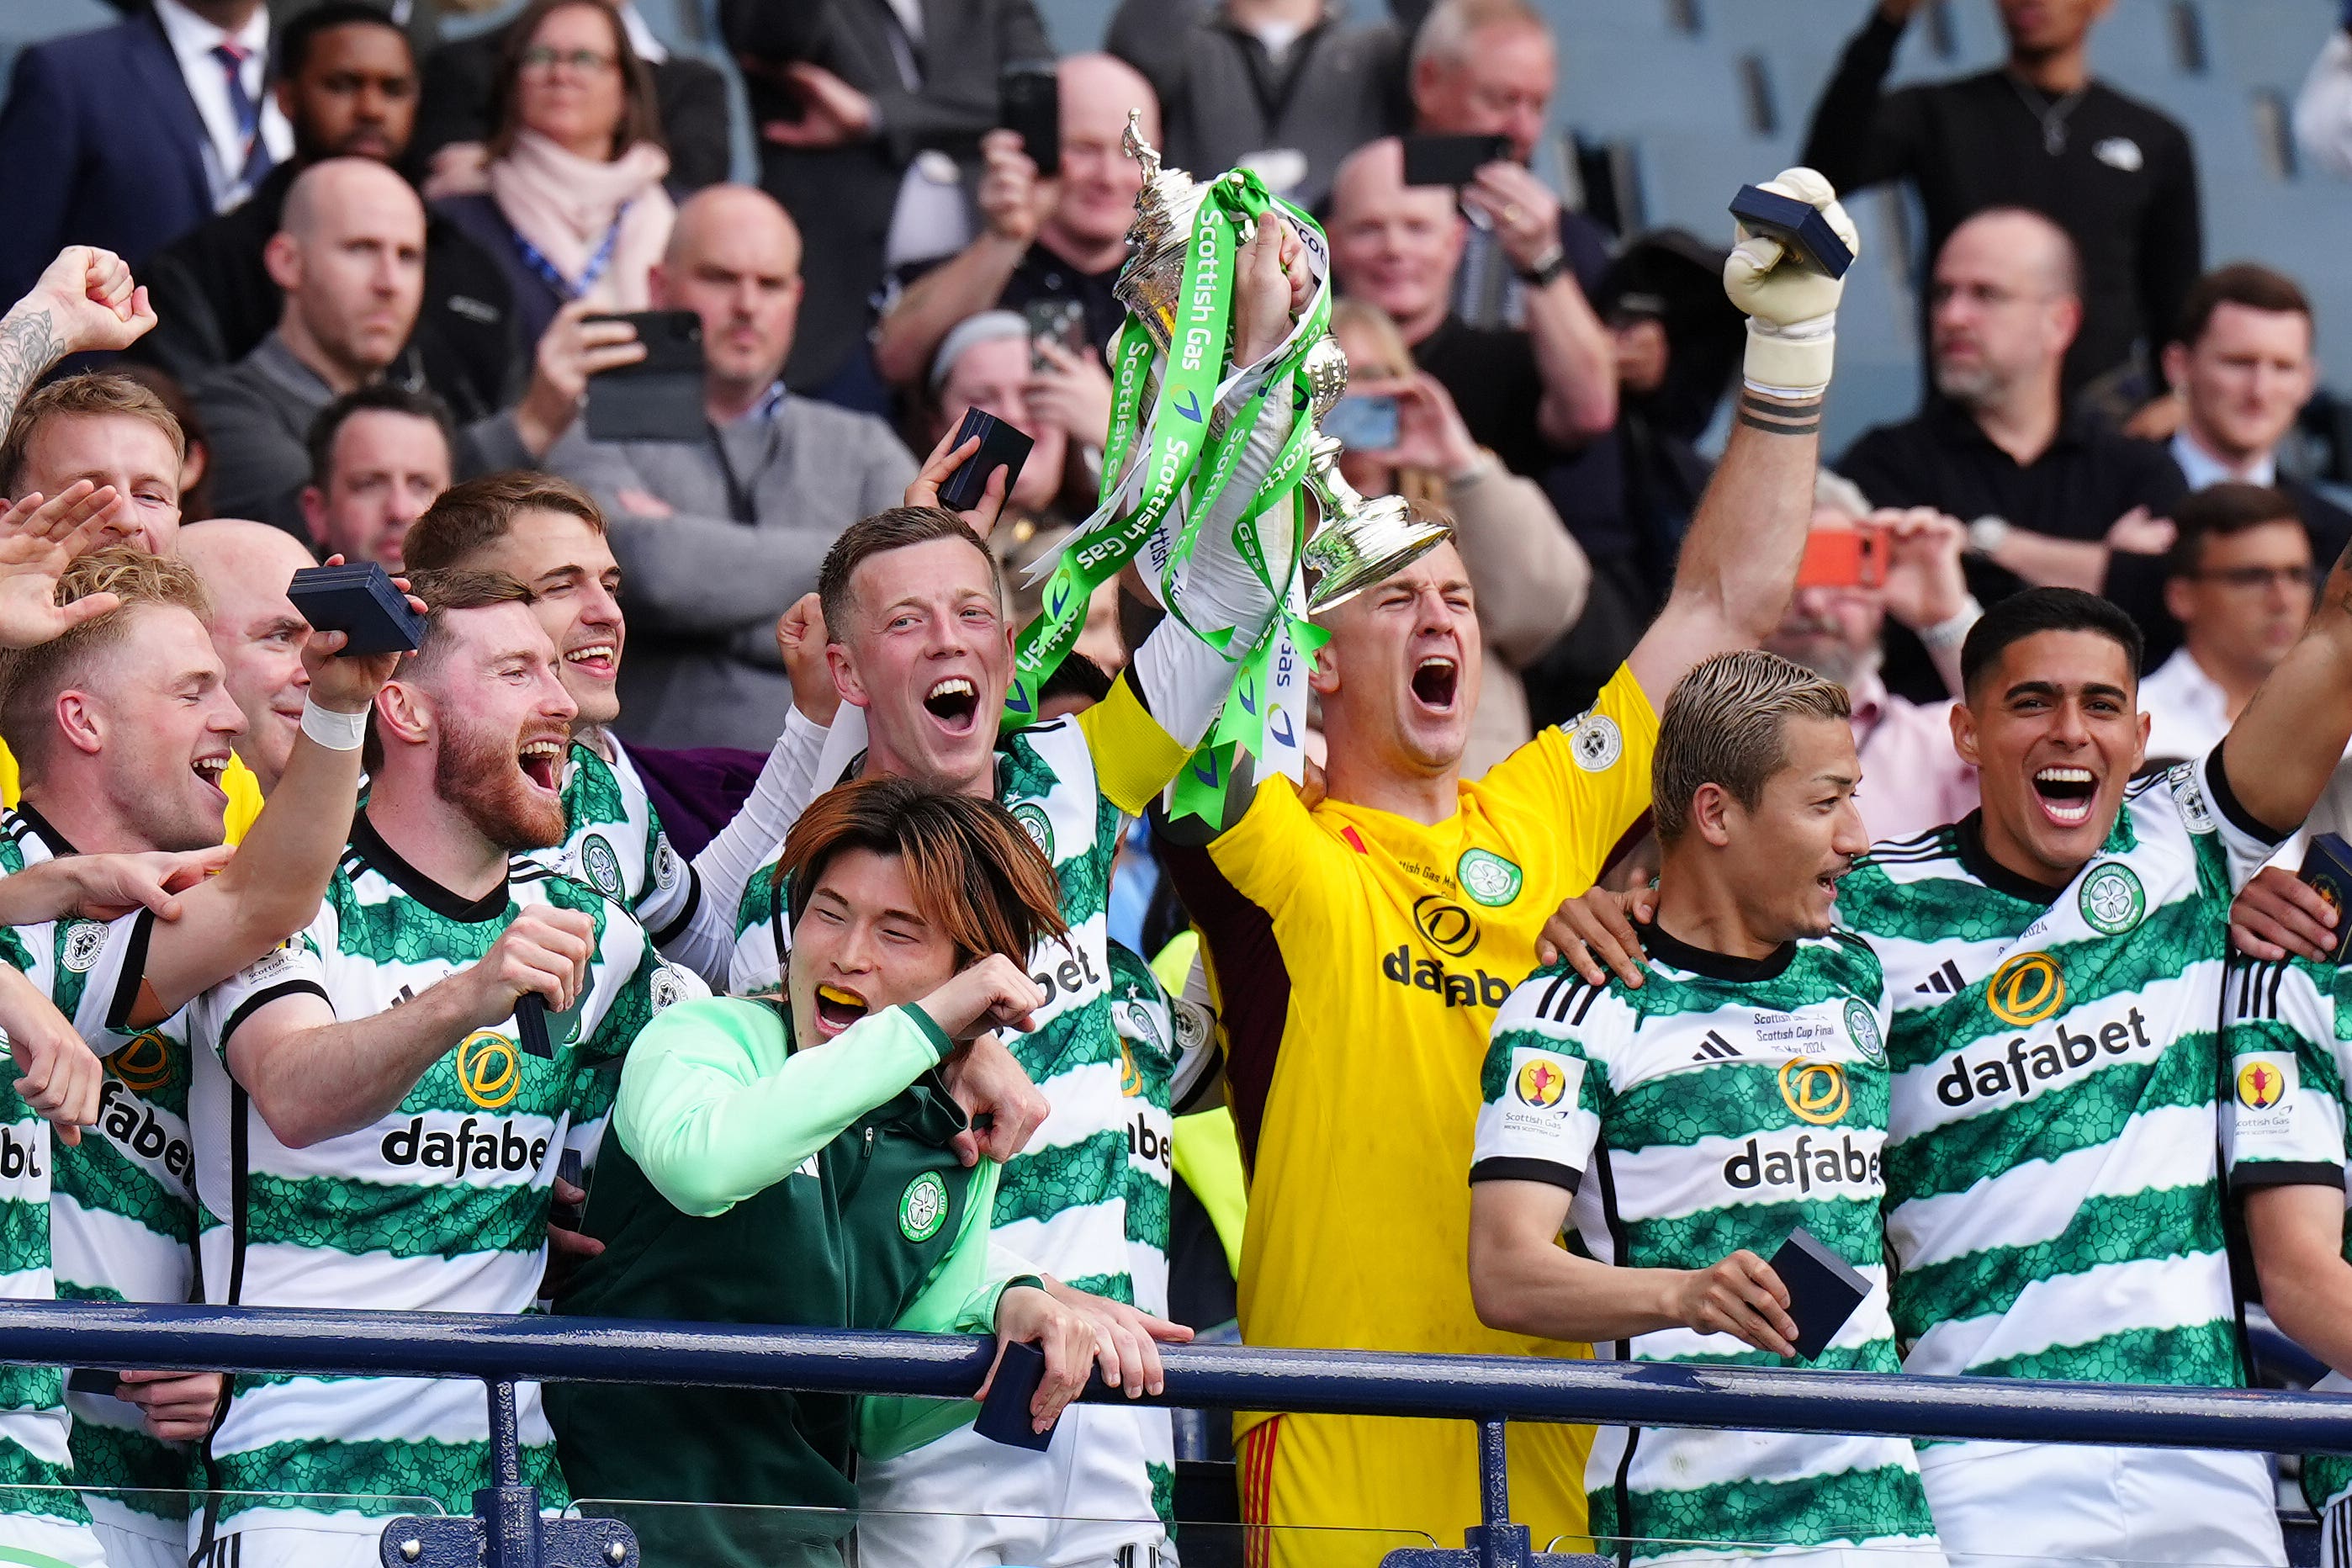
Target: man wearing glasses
[2239, 582]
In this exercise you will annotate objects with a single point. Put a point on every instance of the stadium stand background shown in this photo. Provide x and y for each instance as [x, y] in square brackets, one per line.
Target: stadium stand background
[1671, 100]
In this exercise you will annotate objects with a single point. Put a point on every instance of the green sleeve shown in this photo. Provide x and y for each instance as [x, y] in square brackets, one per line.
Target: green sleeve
[715, 1105]
[960, 1298]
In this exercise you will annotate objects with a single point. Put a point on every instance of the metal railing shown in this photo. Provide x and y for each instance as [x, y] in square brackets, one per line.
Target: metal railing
[507, 1532]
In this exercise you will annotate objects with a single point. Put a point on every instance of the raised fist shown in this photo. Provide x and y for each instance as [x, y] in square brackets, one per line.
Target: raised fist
[1790, 303]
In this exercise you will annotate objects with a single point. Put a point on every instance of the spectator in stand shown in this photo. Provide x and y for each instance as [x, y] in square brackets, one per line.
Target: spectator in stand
[2241, 369]
[1487, 68]
[718, 539]
[1530, 395]
[1917, 781]
[1286, 88]
[350, 261]
[1526, 576]
[380, 455]
[2053, 498]
[1058, 239]
[130, 136]
[986, 363]
[457, 105]
[869, 115]
[2322, 110]
[571, 200]
[2038, 132]
[2241, 582]
[348, 85]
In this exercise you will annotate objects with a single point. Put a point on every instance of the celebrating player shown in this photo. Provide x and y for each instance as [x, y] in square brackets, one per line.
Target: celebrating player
[2287, 1037]
[913, 911]
[388, 1124]
[1403, 909]
[546, 534]
[2056, 963]
[1691, 1124]
[104, 719]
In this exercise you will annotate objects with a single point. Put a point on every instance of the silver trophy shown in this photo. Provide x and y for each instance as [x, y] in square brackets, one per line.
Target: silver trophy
[1359, 541]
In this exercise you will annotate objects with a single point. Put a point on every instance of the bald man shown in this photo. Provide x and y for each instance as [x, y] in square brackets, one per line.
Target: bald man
[1057, 240]
[2052, 498]
[349, 255]
[257, 632]
[719, 537]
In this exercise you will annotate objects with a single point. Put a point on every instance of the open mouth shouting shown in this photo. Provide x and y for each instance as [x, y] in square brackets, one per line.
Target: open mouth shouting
[211, 770]
[541, 761]
[1435, 682]
[2065, 794]
[600, 660]
[954, 702]
[836, 1009]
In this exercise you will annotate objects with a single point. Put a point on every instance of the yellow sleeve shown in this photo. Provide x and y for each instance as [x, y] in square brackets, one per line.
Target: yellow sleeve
[1135, 759]
[10, 787]
[1268, 855]
[244, 798]
[1590, 777]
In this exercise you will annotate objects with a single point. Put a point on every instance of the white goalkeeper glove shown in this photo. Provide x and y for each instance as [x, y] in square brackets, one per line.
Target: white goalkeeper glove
[1790, 303]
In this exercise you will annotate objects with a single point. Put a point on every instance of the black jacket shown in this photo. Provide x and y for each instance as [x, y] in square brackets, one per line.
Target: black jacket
[2123, 182]
[215, 303]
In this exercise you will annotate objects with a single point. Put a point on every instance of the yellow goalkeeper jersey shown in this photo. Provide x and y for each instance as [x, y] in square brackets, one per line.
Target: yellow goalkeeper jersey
[244, 793]
[1357, 959]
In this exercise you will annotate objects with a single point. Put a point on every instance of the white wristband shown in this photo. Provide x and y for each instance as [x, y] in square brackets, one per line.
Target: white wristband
[1951, 633]
[336, 732]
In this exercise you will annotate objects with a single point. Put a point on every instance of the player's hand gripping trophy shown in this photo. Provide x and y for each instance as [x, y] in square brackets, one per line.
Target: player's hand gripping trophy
[1204, 458]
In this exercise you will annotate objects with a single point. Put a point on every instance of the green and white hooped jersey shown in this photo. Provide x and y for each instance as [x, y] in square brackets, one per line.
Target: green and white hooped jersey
[1718, 1106]
[1164, 1044]
[616, 844]
[2288, 1030]
[441, 1205]
[1061, 1203]
[123, 1213]
[2055, 1202]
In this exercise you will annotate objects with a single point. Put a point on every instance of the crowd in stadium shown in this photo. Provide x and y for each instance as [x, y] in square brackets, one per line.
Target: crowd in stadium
[549, 964]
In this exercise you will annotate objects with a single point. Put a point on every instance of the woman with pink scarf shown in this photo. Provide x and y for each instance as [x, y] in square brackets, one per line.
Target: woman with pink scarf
[570, 196]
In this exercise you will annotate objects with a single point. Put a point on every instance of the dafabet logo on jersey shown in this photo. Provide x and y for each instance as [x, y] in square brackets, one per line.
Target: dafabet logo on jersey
[488, 1070]
[1815, 1092]
[2026, 990]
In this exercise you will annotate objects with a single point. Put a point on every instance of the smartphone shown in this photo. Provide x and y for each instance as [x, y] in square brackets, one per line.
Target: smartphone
[1361, 424]
[1843, 558]
[1029, 104]
[1001, 446]
[659, 398]
[1059, 322]
[1451, 159]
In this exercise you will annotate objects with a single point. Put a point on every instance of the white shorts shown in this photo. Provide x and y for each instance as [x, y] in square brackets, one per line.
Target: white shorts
[2336, 1533]
[260, 1542]
[134, 1540]
[2012, 1505]
[29, 1539]
[1077, 1505]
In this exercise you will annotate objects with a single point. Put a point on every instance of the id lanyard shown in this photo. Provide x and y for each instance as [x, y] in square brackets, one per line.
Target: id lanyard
[588, 277]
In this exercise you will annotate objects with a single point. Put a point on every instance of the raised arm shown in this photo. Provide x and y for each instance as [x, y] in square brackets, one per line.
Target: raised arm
[1858, 135]
[272, 887]
[313, 1078]
[1013, 203]
[84, 299]
[1738, 563]
[2283, 748]
[1574, 353]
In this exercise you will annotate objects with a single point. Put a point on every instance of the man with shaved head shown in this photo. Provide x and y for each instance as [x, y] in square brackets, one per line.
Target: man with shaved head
[349, 255]
[255, 630]
[1059, 238]
[719, 537]
[2051, 498]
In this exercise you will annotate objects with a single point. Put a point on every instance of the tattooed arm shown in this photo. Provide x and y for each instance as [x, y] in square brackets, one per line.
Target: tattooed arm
[86, 299]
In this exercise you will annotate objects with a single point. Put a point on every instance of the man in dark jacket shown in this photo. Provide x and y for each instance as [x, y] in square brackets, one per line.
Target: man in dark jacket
[348, 85]
[2038, 132]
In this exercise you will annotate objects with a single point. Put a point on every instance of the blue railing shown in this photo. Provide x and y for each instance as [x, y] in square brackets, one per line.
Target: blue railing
[1487, 1390]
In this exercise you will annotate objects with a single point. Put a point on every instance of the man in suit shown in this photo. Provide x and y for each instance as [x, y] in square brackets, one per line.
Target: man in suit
[2243, 367]
[717, 538]
[347, 84]
[127, 137]
[461, 78]
[869, 111]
